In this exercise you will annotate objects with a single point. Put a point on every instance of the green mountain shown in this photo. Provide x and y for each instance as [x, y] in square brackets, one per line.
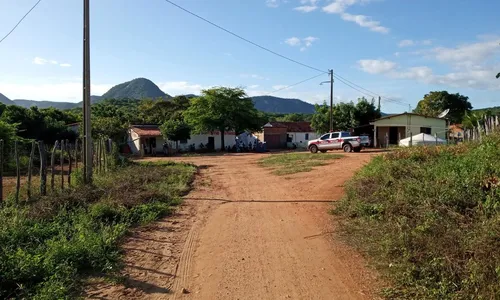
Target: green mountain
[272, 104]
[44, 104]
[5, 100]
[138, 88]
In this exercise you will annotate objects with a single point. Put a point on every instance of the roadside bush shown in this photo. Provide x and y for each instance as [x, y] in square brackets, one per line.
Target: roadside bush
[430, 218]
[50, 244]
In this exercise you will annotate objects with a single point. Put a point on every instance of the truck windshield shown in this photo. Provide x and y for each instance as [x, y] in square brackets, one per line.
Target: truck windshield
[345, 134]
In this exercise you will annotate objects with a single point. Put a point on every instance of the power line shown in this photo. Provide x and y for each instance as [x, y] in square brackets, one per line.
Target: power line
[291, 85]
[12, 30]
[340, 78]
[244, 39]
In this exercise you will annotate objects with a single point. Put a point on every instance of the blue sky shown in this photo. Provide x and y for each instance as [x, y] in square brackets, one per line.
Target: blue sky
[398, 49]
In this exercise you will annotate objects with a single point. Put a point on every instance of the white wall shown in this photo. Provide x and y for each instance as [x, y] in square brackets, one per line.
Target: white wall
[299, 138]
[229, 140]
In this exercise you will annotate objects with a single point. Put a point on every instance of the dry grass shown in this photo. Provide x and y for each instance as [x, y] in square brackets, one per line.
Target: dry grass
[291, 163]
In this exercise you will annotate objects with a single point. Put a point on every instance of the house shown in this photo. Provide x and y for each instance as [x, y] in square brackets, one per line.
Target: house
[389, 130]
[456, 132]
[148, 140]
[279, 134]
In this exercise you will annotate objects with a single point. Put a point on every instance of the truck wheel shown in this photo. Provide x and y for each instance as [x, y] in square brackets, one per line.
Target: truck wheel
[347, 148]
[357, 149]
[313, 149]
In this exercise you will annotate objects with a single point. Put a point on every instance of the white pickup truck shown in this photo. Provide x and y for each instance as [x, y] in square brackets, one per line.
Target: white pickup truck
[337, 140]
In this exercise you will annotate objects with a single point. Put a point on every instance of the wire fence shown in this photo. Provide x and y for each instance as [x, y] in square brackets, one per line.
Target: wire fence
[31, 168]
[484, 126]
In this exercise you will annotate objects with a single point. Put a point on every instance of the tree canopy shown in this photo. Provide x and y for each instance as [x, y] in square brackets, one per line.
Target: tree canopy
[436, 102]
[222, 109]
[176, 130]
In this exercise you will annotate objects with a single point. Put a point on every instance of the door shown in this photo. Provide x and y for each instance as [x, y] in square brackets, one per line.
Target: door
[324, 141]
[393, 135]
[211, 143]
[335, 141]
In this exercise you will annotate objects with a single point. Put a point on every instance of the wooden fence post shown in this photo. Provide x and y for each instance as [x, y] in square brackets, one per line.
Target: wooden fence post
[53, 166]
[61, 160]
[106, 153]
[411, 139]
[18, 171]
[1, 170]
[43, 168]
[30, 167]
[68, 151]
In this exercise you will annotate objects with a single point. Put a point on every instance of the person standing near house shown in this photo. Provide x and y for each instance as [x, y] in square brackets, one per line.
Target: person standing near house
[153, 146]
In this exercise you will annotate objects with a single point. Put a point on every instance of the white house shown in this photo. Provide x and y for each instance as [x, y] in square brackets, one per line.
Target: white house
[147, 140]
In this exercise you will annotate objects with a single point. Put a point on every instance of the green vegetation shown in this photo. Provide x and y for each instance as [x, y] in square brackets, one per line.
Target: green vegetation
[430, 219]
[50, 244]
[435, 103]
[291, 163]
[138, 88]
[345, 115]
[276, 105]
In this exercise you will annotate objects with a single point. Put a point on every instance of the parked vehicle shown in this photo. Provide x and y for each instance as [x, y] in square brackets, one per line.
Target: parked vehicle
[365, 140]
[336, 140]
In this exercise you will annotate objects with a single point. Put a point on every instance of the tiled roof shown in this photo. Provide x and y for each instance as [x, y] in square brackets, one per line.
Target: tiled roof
[293, 126]
[146, 130]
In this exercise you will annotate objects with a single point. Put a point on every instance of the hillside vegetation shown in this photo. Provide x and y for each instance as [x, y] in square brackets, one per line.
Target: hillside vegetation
[430, 218]
[138, 88]
[50, 244]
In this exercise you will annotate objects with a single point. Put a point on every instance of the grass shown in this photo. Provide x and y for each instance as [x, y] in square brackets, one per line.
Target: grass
[50, 245]
[291, 163]
[429, 217]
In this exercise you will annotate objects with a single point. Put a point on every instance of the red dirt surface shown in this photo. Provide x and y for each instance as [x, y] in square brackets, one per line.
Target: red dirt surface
[244, 233]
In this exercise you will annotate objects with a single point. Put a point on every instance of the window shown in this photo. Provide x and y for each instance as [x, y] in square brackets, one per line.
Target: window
[346, 134]
[307, 137]
[183, 141]
[325, 137]
[289, 138]
[426, 130]
[336, 135]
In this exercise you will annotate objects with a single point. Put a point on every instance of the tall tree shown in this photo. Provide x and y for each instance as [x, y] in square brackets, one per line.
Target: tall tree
[222, 109]
[176, 130]
[436, 102]
[366, 111]
[320, 120]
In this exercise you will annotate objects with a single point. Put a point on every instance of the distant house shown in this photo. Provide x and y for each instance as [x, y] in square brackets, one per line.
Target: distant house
[278, 134]
[456, 132]
[392, 128]
[75, 127]
[147, 140]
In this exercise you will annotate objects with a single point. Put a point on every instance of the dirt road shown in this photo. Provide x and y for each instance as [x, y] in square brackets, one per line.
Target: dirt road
[244, 233]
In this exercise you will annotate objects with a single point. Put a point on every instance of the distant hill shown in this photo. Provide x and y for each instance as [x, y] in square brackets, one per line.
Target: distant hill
[44, 104]
[5, 100]
[272, 104]
[138, 88]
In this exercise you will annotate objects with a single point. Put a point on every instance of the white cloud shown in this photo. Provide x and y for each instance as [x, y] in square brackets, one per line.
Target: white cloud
[426, 42]
[340, 6]
[70, 91]
[39, 61]
[180, 88]
[253, 76]
[365, 21]
[472, 52]
[306, 8]
[406, 43]
[293, 41]
[375, 66]
[303, 43]
[253, 86]
[273, 3]
[397, 54]
[42, 61]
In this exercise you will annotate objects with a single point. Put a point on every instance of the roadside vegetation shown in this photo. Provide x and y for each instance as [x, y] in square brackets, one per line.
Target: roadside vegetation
[430, 219]
[50, 244]
[291, 163]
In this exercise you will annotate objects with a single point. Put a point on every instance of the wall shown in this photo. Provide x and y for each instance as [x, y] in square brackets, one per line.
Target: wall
[437, 126]
[299, 138]
[275, 137]
[197, 139]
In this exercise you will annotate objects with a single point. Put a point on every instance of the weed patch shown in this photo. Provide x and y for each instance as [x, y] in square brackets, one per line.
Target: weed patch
[50, 244]
[291, 163]
[430, 219]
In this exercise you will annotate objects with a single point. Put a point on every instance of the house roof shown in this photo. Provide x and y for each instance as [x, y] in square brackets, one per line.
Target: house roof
[406, 113]
[292, 126]
[456, 128]
[146, 130]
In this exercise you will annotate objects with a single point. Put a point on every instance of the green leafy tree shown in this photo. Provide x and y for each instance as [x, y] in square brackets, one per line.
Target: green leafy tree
[366, 111]
[436, 102]
[222, 109]
[344, 116]
[294, 117]
[8, 135]
[176, 130]
[320, 120]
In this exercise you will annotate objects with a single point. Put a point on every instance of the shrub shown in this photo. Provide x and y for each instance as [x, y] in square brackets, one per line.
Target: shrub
[430, 217]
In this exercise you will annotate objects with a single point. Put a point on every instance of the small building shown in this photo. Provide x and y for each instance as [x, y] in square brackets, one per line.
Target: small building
[148, 140]
[392, 128]
[456, 133]
[278, 134]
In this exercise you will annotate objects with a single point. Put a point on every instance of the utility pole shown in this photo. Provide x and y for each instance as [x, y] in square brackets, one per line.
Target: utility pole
[331, 100]
[379, 104]
[87, 139]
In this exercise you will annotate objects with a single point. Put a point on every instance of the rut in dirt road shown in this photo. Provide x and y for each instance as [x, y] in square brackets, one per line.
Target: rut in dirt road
[254, 235]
